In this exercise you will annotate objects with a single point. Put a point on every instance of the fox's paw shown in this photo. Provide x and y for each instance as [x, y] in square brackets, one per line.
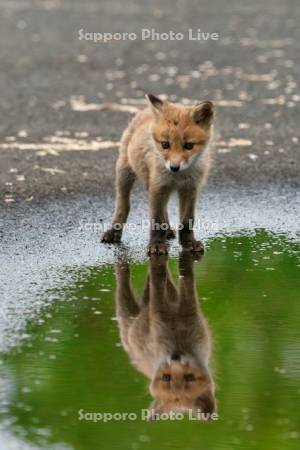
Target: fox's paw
[111, 236]
[193, 246]
[170, 233]
[157, 248]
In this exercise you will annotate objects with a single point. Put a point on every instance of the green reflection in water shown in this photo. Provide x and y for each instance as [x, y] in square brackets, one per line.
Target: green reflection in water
[248, 288]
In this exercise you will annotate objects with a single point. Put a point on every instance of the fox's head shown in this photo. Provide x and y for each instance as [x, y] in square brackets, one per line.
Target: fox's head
[181, 133]
[179, 385]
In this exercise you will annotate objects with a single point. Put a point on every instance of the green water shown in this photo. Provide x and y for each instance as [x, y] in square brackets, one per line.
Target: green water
[248, 288]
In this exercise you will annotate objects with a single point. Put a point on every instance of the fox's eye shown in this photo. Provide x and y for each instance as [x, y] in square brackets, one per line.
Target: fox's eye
[189, 377]
[188, 145]
[165, 144]
[166, 377]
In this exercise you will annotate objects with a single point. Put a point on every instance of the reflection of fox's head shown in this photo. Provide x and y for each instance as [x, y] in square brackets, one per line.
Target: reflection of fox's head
[180, 384]
[181, 133]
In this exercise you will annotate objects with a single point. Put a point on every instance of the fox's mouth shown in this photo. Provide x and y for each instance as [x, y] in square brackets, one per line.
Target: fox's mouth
[174, 167]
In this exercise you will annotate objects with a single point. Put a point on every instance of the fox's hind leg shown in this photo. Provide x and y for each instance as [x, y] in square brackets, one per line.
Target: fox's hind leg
[125, 178]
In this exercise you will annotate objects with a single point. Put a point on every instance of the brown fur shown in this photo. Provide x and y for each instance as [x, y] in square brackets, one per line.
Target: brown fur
[142, 155]
[166, 324]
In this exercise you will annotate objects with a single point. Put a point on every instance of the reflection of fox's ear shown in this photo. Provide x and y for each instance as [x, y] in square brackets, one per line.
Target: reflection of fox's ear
[155, 103]
[203, 113]
[155, 410]
[205, 403]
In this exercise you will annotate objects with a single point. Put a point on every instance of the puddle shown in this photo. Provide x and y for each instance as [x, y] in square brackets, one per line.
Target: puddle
[246, 331]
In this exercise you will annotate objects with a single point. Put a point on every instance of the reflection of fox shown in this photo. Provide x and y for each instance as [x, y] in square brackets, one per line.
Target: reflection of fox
[167, 337]
[166, 146]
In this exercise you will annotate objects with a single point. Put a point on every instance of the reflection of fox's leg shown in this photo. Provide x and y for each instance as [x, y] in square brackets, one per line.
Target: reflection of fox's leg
[124, 183]
[172, 294]
[145, 296]
[162, 289]
[126, 302]
[187, 287]
[187, 202]
[127, 307]
[158, 281]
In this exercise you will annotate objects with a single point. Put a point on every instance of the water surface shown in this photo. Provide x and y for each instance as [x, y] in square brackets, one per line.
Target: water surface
[72, 359]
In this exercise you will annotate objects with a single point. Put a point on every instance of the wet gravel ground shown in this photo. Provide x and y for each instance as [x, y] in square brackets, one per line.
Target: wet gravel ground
[60, 94]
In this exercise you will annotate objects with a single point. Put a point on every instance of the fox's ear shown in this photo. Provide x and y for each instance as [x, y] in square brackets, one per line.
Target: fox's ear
[155, 103]
[203, 113]
[155, 410]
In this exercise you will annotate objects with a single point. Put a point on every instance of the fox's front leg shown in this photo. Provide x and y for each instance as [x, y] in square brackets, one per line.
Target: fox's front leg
[158, 232]
[125, 178]
[187, 202]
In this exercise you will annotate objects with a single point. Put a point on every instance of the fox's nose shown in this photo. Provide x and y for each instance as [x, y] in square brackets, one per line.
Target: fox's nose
[174, 168]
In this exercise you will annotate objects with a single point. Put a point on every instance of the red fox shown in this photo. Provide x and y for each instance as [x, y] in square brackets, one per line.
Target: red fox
[165, 146]
[167, 337]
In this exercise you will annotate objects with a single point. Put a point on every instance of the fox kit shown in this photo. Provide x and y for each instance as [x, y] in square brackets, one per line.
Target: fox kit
[166, 146]
[167, 337]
